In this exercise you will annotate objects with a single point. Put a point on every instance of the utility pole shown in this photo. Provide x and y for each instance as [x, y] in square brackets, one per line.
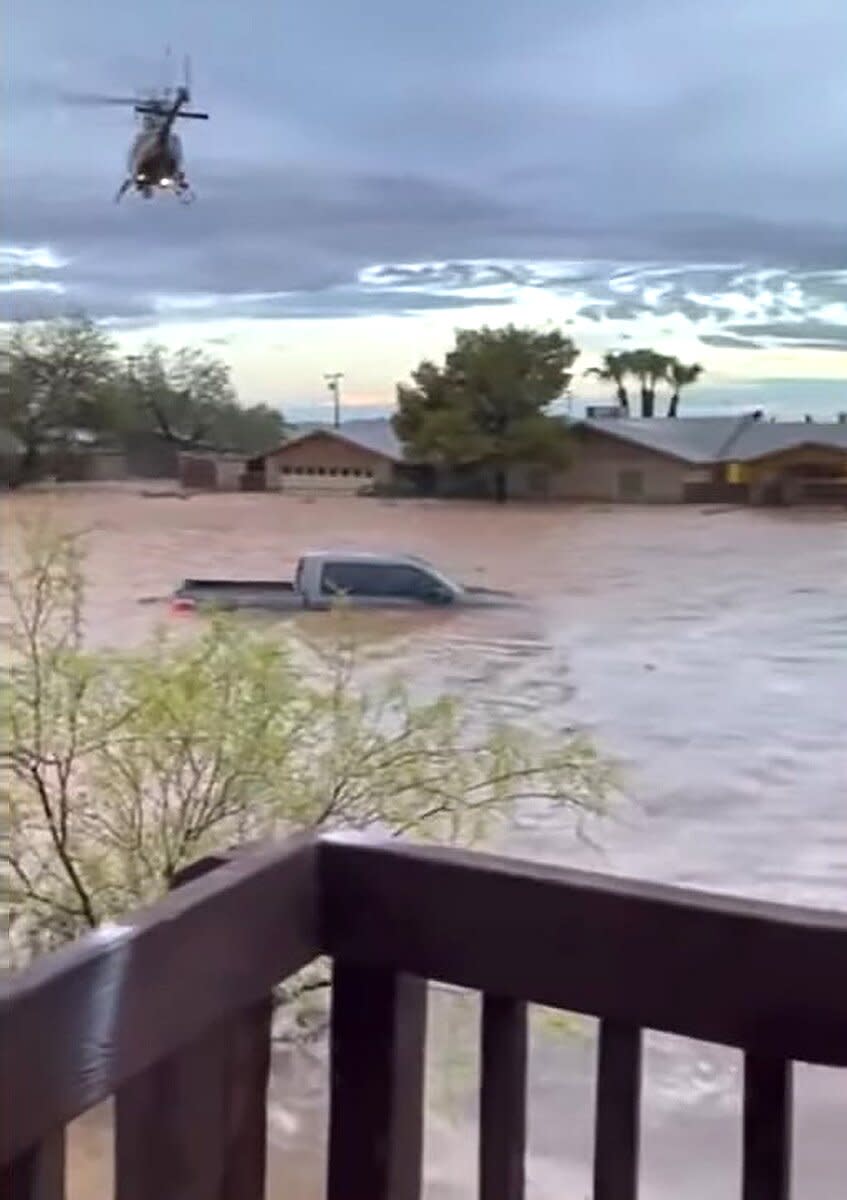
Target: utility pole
[333, 382]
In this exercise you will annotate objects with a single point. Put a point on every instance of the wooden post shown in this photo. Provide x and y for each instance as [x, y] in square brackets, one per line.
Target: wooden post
[616, 1131]
[39, 1173]
[378, 1034]
[195, 1124]
[767, 1128]
[502, 1099]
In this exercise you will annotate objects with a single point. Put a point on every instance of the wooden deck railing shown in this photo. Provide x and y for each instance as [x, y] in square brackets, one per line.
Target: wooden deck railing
[170, 1013]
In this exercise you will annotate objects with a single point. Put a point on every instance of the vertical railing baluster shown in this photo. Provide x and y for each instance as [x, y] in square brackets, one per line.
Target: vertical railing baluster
[767, 1128]
[378, 1033]
[194, 1125]
[502, 1099]
[39, 1173]
[616, 1133]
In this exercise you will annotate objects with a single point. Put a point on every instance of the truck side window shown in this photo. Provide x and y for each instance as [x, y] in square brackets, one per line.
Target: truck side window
[402, 580]
[347, 579]
[376, 579]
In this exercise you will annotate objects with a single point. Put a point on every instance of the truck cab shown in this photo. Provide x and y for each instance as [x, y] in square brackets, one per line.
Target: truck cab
[376, 580]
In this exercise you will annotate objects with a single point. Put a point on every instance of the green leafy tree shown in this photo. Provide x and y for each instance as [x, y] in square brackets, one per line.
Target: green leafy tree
[188, 397]
[56, 384]
[120, 768]
[489, 403]
[680, 375]
[252, 429]
[180, 396]
[615, 369]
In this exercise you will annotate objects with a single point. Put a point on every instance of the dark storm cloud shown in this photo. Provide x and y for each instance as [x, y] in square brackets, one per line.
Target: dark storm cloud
[344, 136]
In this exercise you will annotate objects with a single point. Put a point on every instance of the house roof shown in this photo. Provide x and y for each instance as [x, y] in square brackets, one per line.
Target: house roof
[760, 438]
[377, 436]
[691, 439]
[696, 440]
[704, 440]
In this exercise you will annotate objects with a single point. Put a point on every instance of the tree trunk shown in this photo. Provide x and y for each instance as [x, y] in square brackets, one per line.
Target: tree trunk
[30, 462]
[647, 398]
[501, 486]
[673, 407]
[623, 399]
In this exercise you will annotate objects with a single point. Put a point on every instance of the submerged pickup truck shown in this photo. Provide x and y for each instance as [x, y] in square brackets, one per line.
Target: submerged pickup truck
[324, 577]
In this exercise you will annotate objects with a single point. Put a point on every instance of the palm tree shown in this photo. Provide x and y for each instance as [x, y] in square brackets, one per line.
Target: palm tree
[614, 370]
[679, 376]
[649, 368]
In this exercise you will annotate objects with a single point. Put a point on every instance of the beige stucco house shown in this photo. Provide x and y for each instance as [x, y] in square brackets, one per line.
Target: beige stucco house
[353, 457]
[667, 460]
[623, 459]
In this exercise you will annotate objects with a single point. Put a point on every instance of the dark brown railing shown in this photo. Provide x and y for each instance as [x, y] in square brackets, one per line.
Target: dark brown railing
[170, 1013]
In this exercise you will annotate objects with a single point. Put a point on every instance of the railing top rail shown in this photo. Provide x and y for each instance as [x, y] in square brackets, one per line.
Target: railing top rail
[768, 978]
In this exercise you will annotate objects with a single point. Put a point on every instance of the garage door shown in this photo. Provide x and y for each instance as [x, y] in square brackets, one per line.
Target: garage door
[324, 479]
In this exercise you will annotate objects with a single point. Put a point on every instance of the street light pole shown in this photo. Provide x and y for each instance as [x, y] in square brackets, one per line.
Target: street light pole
[334, 384]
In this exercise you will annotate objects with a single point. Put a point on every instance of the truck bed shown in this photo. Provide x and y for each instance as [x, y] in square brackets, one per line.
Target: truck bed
[269, 594]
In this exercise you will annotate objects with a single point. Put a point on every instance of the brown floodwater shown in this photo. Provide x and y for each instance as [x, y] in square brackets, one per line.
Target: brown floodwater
[705, 649]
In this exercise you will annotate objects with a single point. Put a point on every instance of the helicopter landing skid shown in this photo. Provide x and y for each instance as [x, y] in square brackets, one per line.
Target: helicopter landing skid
[182, 191]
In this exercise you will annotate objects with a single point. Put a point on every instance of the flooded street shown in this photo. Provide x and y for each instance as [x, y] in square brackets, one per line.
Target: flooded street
[706, 650]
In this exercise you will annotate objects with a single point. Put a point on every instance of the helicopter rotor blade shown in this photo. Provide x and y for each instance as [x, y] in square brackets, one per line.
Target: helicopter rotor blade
[94, 98]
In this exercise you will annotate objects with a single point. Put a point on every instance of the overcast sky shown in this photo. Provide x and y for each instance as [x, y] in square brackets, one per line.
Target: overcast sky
[671, 172]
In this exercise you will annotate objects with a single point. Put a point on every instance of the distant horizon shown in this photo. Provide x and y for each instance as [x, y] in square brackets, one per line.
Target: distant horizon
[801, 401]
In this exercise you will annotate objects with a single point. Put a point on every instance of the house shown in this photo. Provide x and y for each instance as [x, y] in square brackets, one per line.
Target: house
[697, 459]
[632, 459]
[789, 462]
[660, 460]
[356, 455]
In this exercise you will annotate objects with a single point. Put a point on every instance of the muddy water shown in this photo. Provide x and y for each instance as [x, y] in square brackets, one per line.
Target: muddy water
[706, 650]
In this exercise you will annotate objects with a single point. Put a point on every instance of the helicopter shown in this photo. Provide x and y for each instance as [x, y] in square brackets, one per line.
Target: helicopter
[155, 161]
